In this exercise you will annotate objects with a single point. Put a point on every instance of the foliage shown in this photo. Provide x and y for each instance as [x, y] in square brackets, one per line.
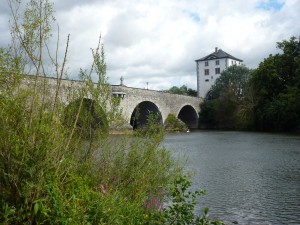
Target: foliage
[283, 112]
[263, 99]
[10, 68]
[180, 210]
[245, 110]
[146, 168]
[91, 117]
[207, 114]
[152, 127]
[234, 79]
[276, 84]
[224, 109]
[183, 90]
[172, 123]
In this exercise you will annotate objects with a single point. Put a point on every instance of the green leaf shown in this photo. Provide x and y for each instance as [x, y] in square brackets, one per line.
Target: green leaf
[206, 210]
[36, 208]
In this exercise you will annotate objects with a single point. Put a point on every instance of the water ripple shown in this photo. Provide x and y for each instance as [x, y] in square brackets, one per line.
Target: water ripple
[251, 178]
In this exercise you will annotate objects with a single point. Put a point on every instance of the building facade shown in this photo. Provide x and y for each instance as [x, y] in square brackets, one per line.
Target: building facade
[210, 67]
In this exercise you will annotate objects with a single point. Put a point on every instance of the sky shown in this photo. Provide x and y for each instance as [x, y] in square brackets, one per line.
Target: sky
[154, 43]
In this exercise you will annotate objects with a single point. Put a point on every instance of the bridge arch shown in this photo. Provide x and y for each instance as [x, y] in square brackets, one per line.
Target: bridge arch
[140, 114]
[89, 118]
[208, 95]
[189, 116]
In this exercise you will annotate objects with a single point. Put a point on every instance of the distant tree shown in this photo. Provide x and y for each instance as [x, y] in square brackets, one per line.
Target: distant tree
[267, 98]
[234, 79]
[192, 92]
[174, 90]
[207, 114]
[226, 95]
[183, 90]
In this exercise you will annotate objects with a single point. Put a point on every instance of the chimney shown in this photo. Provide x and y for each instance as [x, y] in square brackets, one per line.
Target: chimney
[216, 49]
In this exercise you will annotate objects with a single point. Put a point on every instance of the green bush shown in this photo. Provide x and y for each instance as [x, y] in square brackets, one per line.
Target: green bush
[174, 124]
[91, 117]
[180, 207]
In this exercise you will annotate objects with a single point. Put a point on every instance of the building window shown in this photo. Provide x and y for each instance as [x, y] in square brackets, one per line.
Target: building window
[232, 62]
[217, 62]
[217, 70]
[206, 63]
[206, 71]
[206, 80]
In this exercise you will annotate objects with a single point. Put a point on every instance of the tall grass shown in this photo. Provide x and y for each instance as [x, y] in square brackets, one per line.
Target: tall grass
[58, 164]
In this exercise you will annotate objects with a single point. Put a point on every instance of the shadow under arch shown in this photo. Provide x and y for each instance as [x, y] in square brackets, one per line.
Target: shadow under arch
[209, 95]
[91, 116]
[189, 116]
[142, 111]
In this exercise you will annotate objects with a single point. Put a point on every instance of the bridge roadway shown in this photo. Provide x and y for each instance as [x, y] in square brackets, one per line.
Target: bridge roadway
[135, 101]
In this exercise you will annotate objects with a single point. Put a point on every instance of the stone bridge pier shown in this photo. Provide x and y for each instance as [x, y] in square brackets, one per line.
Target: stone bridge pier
[138, 103]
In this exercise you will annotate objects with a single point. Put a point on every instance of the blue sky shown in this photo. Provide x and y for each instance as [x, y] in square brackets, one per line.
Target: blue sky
[157, 41]
[271, 5]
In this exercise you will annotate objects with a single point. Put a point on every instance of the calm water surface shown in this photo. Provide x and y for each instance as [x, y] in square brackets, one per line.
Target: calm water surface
[251, 178]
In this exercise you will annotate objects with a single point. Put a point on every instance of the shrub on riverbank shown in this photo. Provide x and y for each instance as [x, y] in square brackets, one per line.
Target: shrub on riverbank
[173, 124]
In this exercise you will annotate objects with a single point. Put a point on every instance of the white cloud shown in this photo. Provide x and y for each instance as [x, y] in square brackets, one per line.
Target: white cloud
[157, 41]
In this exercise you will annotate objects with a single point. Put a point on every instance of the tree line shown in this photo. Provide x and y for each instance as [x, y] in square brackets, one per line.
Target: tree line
[264, 99]
[183, 90]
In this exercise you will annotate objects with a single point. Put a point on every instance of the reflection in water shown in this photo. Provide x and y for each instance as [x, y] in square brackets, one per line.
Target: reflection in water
[252, 178]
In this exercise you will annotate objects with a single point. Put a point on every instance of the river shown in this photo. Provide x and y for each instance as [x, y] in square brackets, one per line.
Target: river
[250, 178]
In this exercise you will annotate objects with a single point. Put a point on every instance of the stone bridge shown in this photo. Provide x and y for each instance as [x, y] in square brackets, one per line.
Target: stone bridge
[142, 101]
[136, 103]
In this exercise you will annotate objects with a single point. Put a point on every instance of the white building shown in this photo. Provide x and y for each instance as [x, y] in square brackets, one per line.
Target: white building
[210, 67]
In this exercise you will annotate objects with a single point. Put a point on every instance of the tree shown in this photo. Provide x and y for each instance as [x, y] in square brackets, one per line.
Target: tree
[264, 99]
[234, 79]
[207, 118]
[276, 84]
[226, 95]
[183, 90]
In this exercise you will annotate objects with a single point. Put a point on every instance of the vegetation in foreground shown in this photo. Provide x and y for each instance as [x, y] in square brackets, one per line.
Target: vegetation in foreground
[264, 99]
[57, 163]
